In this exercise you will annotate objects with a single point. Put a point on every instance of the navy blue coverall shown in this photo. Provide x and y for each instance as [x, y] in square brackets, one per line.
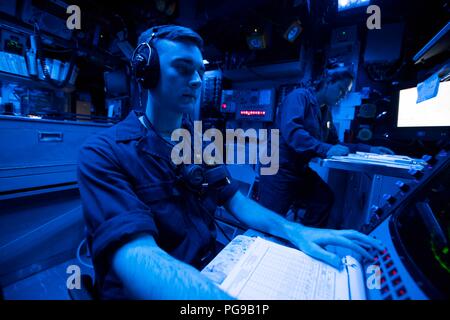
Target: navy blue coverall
[306, 131]
[130, 186]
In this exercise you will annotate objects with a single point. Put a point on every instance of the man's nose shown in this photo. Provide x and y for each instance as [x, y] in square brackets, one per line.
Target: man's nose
[196, 81]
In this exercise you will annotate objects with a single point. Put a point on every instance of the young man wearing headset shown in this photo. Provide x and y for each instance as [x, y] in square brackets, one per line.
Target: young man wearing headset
[307, 131]
[150, 229]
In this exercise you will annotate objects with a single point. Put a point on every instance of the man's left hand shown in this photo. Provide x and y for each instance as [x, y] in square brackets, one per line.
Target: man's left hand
[312, 241]
[381, 150]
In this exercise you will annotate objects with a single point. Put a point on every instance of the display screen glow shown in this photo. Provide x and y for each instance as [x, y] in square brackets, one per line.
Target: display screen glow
[434, 112]
[350, 4]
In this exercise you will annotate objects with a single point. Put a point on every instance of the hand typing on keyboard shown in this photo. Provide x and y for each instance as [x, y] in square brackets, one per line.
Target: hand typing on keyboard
[312, 241]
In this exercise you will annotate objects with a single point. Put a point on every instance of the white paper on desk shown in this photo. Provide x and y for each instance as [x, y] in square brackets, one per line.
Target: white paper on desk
[269, 271]
[356, 279]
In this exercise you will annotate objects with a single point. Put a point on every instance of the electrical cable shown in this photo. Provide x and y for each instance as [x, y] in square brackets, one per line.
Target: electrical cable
[79, 255]
[220, 228]
[215, 221]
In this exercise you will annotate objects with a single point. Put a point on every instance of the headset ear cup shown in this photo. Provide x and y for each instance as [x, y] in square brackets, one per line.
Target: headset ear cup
[139, 63]
[152, 70]
[146, 66]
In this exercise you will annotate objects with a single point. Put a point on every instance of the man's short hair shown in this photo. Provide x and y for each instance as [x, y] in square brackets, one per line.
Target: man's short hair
[334, 75]
[172, 32]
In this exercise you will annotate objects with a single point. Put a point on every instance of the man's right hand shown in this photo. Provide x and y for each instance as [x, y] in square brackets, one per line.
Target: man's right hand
[338, 150]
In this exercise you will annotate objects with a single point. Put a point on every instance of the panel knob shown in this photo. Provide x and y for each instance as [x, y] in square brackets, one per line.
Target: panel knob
[389, 198]
[377, 210]
[416, 173]
[402, 186]
[429, 159]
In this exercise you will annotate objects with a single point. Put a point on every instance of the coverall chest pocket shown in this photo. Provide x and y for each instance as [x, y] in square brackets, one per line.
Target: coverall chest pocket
[167, 206]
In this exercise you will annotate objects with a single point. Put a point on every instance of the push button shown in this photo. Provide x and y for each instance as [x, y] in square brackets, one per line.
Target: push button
[401, 292]
[396, 281]
[393, 272]
[384, 289]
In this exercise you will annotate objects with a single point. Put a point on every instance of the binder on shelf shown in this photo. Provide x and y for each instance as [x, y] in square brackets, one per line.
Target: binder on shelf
[64, 71]
[56, 69]
[3, 66]
[13, 62]
[30, 67]
[74, 75]
[39, 68]
[9, 67]
[32, 63]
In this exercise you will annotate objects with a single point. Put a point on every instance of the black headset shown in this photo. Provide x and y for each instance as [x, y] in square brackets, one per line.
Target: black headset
[145, 63]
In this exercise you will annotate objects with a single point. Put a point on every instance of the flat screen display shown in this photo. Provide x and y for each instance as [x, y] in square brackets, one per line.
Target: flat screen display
[434, 112]
[350, 4]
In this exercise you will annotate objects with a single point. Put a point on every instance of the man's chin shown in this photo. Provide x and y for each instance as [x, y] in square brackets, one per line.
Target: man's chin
[186, 107]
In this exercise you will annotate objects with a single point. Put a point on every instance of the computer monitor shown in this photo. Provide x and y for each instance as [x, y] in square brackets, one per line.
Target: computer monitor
[434, 112]
[350, 4]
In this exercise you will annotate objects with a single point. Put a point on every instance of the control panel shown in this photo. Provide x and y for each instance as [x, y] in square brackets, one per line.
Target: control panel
[413, 225]
[394, 201]
[253, 105]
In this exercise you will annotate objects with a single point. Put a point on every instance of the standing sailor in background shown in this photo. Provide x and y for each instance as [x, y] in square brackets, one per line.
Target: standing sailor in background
[307, 131]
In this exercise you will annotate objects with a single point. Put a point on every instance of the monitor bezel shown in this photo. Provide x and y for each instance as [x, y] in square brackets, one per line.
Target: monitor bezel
[417, 132]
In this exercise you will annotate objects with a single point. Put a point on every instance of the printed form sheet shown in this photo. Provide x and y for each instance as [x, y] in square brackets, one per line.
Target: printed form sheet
[269, 271]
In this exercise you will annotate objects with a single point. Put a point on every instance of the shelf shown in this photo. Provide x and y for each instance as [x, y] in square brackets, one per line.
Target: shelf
[37, 83]
[437, 45]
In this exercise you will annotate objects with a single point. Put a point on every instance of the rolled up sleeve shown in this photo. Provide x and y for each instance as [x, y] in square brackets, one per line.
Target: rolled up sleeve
[112, 211]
